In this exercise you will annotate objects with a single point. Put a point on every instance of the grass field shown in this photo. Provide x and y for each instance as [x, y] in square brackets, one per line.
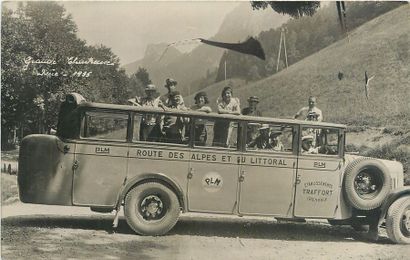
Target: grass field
[381, 47]
[9, 190]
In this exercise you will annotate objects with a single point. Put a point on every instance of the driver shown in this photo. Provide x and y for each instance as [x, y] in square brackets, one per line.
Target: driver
[307, 145]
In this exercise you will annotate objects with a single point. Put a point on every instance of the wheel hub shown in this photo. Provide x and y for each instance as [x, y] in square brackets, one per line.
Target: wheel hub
[406, 221]
[151, 207]
[364, 184]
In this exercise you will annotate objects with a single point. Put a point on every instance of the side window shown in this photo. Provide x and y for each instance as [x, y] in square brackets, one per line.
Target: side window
[105, 126]
[320, 141]
[269, 137]
[164, 128]
[215, 133]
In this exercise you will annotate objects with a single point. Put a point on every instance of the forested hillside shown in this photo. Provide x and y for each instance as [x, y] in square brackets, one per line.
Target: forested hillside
[304, 36]
[380, 47]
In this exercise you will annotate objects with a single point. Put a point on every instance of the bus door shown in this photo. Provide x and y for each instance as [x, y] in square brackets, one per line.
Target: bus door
[151, 153]
[213, 168]
[100, 161]
[319, 176]
[268, 170]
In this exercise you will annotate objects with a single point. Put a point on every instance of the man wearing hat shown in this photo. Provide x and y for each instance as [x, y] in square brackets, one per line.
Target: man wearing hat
[251, 110]
[307, 145]
[174, 125]
[149, 128]
[150, 99]
[263, 141]
[170, 84]
[275, 142]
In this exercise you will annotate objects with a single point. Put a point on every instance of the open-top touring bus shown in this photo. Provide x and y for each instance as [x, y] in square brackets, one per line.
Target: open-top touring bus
[287, 169]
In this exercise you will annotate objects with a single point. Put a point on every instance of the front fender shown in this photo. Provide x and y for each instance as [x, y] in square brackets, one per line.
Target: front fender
[393, 196]
[157, 177]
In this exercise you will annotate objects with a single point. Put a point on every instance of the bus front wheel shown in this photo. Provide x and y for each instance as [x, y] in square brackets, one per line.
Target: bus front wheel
[151, 209]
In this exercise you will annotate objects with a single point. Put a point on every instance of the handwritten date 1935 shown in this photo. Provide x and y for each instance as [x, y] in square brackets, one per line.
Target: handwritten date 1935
[54, 73]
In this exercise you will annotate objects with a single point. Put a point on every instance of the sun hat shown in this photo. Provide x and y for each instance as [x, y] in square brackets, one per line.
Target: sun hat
[253, 99]
[150, 87]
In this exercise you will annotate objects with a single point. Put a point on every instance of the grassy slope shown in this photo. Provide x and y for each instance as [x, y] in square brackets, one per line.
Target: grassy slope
[381, 46]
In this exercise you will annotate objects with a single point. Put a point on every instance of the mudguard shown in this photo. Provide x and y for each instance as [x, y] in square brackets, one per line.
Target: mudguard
[158, 177]
[392, 197]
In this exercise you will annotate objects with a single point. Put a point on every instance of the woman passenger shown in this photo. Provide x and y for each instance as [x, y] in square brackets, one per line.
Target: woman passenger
[201, 135]
[227, 104]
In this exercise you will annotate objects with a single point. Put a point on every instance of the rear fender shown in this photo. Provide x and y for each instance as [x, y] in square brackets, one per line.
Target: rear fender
[393, 196]
[154, 177]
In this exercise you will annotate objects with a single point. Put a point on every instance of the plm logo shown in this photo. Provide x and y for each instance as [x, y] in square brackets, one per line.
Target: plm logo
[212, 182]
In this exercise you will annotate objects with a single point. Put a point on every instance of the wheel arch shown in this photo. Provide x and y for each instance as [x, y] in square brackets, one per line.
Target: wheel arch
[393, 196]
[153, 177]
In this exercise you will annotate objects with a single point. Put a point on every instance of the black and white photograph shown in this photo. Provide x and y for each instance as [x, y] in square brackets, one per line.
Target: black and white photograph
[205, 130]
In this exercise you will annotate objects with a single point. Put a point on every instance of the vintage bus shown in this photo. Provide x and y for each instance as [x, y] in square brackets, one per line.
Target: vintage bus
[222, 164]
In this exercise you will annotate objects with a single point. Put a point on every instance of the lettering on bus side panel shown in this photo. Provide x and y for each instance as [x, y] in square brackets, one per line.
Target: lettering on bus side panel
[212, 182]
[104, 150]
[317, 191]
[214, 157]
[319, 164]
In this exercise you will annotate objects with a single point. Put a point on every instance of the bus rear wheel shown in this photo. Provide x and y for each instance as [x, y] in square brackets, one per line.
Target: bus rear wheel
[151, 209]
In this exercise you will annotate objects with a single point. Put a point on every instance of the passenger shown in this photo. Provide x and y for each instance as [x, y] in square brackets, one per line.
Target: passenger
[149, 126]
[170, 84]
[251, 110]
[223, 128]
[228, 104]
[275, 141]
[201, 101]
[173, 126]
[307, 145]
[263, 141]
[201, 135]
[311, 112]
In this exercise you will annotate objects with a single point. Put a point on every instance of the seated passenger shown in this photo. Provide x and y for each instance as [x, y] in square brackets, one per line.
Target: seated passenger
[173, 126]
[263, 141]
[201, 135]
[275, 142]
[307, 145]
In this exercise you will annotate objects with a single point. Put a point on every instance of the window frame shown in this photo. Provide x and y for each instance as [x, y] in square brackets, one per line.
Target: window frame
[239, 138]
[132, 126]
[83, 125]
[267, 151]
[340, 141]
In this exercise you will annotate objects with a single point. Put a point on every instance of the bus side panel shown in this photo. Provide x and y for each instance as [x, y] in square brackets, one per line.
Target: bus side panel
[45, 170]
[173, 162]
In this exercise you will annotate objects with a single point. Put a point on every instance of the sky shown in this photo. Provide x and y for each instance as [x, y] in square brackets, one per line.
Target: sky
[128, 26]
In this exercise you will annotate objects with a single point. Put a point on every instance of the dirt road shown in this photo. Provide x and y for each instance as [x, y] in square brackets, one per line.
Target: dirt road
[53, 232]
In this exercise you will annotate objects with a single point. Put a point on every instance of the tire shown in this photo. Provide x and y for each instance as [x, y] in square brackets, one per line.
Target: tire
[151, 209]
[398, 221]
[366, 183]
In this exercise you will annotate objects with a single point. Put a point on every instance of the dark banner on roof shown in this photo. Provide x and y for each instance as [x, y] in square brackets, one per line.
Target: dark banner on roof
[250, 46]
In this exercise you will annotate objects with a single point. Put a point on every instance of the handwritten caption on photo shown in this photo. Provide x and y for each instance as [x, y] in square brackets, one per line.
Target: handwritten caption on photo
[52, 72]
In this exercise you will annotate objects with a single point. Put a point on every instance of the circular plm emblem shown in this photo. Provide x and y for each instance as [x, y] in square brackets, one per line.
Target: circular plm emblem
[212, 182]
